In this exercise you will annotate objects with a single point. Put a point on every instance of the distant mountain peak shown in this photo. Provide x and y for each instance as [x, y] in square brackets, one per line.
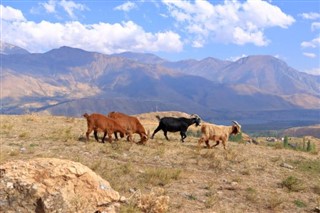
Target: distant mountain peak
[66, 49]
[142, 57]
[260, 59]
[10, 49]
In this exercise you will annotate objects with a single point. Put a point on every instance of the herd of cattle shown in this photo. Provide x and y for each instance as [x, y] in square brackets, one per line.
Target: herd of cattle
[126, 125]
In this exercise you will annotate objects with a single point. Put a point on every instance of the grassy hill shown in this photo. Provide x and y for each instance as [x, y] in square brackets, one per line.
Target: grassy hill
[179, 176]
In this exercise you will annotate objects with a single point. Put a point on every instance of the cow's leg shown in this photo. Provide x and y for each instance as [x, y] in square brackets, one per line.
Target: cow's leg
[165, 134]
[155, 131]
[129, 138]
[224, 144]
[88, 133]
[95, 133]
[217, 143]
[115, 136]
[207, 143]
[183, 136]
[110, 137]
[104, 137]
[200, 141]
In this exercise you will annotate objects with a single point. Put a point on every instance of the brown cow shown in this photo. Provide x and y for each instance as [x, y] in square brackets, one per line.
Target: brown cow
[98, 122]
[131, 124]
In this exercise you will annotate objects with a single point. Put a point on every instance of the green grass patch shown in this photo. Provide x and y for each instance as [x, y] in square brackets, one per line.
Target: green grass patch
[311, 166]
[299, 203]
[292, 184]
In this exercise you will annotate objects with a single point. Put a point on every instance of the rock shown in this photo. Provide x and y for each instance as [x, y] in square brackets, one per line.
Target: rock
[285, 165]
[54, 185]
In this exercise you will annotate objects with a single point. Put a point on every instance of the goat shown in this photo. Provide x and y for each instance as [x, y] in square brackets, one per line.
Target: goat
[171, 124]
[131, 124]
[218, 133]
[98, 122]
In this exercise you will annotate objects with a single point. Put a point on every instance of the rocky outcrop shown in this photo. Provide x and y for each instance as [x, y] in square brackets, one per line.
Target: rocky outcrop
[54, 185]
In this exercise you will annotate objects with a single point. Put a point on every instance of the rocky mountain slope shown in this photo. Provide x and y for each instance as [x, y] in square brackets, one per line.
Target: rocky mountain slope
[69, 81]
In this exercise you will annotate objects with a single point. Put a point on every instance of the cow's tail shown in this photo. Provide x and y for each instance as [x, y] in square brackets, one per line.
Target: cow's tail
[158, 117]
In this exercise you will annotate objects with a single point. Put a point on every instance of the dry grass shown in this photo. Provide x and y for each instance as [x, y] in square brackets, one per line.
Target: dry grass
[244, 178]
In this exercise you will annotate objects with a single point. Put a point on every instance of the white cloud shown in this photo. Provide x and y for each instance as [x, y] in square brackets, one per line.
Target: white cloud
[312, 44]
[315, 71]
[315, 26]
[230, 22]
[311, 16]
[127, 6]
[309, 55]
[68, 6]
[242, 37]
[101, 37]
[11, 14]
[49, 6]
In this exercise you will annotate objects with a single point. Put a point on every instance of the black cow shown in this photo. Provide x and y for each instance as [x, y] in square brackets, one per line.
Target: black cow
[171, 124]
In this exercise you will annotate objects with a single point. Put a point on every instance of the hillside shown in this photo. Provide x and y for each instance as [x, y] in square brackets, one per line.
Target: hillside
[243, 178]
[302, 131]
[70, 81]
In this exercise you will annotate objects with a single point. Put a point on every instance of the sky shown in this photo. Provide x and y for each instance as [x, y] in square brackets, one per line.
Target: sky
[171, 29]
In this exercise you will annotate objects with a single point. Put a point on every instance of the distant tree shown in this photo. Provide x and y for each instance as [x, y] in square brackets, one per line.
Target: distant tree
[309, 147]
[285, 142]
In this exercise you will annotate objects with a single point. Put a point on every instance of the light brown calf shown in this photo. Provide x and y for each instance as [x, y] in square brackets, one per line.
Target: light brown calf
[218, 133]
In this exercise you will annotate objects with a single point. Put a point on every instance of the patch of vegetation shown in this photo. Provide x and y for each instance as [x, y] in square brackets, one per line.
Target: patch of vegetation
[211, 201]
[160, 176]
[311, 166]
[316, 189]
[216, 161]
[129, 208]
[194, 133]
[299, 203]
[274, 201]
[236, 138]
[293, 184]
[251, 195]
[285, 142]
[23, 135]
[191, 197]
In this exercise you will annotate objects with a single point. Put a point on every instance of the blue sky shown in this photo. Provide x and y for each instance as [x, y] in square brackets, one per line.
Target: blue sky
[172, 29]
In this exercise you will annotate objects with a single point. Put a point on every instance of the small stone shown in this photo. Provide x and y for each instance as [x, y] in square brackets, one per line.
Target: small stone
[285, 165]
[10, 185]
[132, 190]
[123, 199]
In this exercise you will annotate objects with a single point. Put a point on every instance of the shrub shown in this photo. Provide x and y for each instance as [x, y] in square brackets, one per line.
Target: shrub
[236, 138]
[251, 195]
[292, 184]
[285, 142]
[299, 203]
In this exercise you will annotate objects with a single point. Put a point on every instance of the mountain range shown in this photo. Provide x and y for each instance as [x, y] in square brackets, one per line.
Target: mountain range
[70, 81]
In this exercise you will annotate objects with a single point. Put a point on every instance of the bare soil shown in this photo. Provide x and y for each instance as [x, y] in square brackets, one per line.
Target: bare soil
[243, 178]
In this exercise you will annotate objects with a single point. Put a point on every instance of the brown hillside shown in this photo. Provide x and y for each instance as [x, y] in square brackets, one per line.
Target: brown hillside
[170, 176]
[303, 131]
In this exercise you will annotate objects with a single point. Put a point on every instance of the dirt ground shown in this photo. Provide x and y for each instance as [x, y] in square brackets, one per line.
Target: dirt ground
[243, 178]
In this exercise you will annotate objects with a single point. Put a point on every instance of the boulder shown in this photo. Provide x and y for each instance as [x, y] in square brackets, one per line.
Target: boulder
[54, 185]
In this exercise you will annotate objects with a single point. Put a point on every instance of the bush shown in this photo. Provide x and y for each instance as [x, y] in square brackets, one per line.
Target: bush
[292, 184]
[236, 138]
[285, 142]
[300, 203]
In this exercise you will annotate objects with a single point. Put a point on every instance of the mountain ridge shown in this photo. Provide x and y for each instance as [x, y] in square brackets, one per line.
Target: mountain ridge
[71, 75]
